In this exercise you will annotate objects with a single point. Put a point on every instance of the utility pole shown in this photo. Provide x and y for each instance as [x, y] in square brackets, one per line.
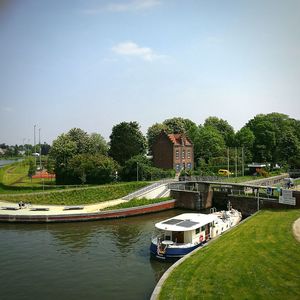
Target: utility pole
[228, 162]
[40, 149]
[243, 168]
[235, 161]
[34, 147]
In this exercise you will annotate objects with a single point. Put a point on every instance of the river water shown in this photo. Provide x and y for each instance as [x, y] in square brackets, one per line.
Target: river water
[4, 162]
[91, 260]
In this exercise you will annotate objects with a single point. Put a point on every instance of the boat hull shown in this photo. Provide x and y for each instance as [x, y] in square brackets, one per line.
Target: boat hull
[171, 253]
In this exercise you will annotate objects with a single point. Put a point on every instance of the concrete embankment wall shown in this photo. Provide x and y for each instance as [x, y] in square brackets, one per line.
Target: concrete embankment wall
[249, 205]
[101, 215]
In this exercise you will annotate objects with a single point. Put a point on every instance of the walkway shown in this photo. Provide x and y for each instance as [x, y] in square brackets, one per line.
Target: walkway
[296, 229]
[31, 210]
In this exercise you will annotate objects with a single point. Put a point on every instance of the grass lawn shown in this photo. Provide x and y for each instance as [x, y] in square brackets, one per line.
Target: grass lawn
[78, 196]
[137, 202]
[260, 259]
[14, 179]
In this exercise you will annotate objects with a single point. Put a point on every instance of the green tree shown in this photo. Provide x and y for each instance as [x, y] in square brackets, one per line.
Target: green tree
[223, 128]
[153, 132]
[245, 138]
[73, 143]
[288, 147]
[92, 168]
[32, 169]
[81, 140]
[126, 141]
[208, 143]
[63, 148]
[98, 144]
[139, 167]
[268, 131]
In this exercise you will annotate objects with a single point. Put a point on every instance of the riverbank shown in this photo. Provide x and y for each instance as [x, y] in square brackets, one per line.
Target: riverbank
[259, 259]
[51, 213]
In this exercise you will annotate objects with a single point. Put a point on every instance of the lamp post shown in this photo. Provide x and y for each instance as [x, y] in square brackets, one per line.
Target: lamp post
[40, 152]
[137, 171]
[34, 147]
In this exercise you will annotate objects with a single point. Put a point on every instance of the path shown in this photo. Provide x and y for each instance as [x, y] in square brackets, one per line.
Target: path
[296, 229]
[55, 209]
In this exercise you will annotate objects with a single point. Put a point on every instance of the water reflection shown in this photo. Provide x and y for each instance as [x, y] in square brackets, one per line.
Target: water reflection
[93, 260]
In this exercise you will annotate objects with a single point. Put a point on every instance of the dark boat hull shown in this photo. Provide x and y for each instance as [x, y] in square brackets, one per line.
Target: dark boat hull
[171, 253]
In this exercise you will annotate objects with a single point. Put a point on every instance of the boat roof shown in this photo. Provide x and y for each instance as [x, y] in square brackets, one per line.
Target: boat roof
[186, 222]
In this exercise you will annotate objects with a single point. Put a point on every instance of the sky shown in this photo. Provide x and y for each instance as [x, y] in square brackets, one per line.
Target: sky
[93, 64]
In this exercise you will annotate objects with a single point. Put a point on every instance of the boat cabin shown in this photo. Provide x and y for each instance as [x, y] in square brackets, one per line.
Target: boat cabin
[187, 228]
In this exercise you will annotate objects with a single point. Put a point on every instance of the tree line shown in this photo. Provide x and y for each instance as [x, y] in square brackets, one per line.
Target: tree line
[79, 157]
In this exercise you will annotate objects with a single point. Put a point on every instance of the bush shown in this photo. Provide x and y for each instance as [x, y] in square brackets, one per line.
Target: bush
[87, 168]
[139, 167]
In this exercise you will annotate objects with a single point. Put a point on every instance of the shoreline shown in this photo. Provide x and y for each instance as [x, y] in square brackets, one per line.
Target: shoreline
[10, 213]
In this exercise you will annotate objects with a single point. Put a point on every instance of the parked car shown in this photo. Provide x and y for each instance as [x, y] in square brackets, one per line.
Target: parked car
[224, 172]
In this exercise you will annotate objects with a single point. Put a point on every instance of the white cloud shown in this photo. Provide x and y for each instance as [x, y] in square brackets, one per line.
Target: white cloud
[132, 49]
[134, 5]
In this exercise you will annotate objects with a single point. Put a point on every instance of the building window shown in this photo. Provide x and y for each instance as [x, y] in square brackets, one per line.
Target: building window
[189, 154]
[189, 166]
[178, 167]
[197, 230]
[177, 154]
[183, 154]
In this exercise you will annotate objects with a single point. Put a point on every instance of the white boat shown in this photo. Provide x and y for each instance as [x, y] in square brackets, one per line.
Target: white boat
[182, 234]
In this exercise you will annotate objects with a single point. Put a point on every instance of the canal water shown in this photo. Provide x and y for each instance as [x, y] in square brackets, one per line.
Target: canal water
[91, 260]
[4, 162]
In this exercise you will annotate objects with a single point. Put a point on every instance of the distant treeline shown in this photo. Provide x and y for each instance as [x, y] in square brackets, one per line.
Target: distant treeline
[87, 158]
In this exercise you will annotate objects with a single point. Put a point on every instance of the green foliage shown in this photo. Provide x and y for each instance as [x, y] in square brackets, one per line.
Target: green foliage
[31, 169]
[126, 141]
[98, 144]
[208, 143]
[153, 132]
[259, 259]
[139, 167]
[276, 139]
[77, 142]
[79, 196]
[245, 138]
[93, 169]
[223, 128]
[138, 202]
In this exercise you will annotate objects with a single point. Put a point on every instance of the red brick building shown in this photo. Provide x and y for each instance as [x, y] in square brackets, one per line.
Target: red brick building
[173, 151]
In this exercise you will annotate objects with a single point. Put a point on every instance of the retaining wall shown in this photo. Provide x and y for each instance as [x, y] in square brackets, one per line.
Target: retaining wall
[101, 215]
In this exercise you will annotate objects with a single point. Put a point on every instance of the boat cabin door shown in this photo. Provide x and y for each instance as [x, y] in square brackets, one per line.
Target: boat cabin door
[207, 232]
[178, 237]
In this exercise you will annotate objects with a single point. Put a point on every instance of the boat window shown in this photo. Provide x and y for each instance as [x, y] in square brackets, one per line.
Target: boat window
[202, 228]
[167, 238]
[197, 230]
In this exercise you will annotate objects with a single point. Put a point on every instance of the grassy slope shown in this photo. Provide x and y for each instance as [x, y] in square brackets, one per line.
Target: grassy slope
[260, 259]
[138, 202]
[14, 179]
[78, 196]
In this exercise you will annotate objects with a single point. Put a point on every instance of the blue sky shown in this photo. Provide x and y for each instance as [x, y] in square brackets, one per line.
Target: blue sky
[93, 64]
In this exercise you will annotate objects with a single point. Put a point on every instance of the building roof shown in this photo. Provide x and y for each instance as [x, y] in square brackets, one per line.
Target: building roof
[179, 139]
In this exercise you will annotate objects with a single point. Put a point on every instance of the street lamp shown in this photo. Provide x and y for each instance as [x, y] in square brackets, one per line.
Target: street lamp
[34, 147]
